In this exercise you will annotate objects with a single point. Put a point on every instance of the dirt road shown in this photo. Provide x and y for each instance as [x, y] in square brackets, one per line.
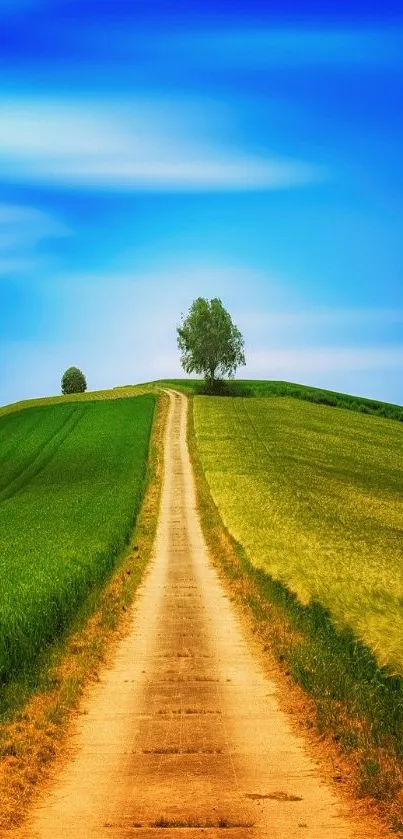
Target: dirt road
[183, 737]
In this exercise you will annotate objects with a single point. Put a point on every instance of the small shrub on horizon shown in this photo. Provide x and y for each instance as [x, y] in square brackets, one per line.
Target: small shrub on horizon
[73, 381]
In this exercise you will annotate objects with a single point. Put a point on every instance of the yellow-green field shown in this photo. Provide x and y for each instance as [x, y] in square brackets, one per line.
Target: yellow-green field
[314, 495]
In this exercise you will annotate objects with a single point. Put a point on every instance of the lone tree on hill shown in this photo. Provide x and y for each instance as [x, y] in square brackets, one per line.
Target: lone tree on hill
[209, 341]
[73, 381]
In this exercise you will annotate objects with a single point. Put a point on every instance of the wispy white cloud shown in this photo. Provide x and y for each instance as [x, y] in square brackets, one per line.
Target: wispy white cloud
[21, 229]
[9, 267]
[325, 317]
[297, 362]
[238, 173]
[121, 328]
[133, 146]
[24, 225]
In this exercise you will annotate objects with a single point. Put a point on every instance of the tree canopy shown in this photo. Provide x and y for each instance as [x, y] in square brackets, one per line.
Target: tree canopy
[73, 381]
[209, 341]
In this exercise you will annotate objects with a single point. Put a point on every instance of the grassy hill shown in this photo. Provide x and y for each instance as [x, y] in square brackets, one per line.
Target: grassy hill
[314, 497]
[264, 389]
[312, 494]
[88, 396]
[308, 484]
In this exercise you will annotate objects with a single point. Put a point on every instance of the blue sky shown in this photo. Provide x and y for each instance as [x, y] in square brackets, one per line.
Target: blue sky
[152, 152]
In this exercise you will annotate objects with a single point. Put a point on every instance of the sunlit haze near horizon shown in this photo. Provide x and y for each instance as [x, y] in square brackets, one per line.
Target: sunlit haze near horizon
[152, 152]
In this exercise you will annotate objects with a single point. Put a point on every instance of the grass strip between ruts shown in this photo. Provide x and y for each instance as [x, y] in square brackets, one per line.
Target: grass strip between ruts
[356, 708]
[33, 734]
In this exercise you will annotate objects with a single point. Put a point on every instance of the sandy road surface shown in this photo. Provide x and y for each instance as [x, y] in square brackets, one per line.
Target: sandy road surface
[183, 737]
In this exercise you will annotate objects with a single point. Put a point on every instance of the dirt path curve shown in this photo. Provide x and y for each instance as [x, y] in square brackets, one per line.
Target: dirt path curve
[182, 737]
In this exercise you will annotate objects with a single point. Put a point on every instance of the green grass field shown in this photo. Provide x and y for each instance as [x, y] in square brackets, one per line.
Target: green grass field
[89, 396]
[314, 497]
[71, 481]
[266, 388]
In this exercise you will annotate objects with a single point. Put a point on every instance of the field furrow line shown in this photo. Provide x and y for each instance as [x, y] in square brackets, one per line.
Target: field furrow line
[42, 458]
